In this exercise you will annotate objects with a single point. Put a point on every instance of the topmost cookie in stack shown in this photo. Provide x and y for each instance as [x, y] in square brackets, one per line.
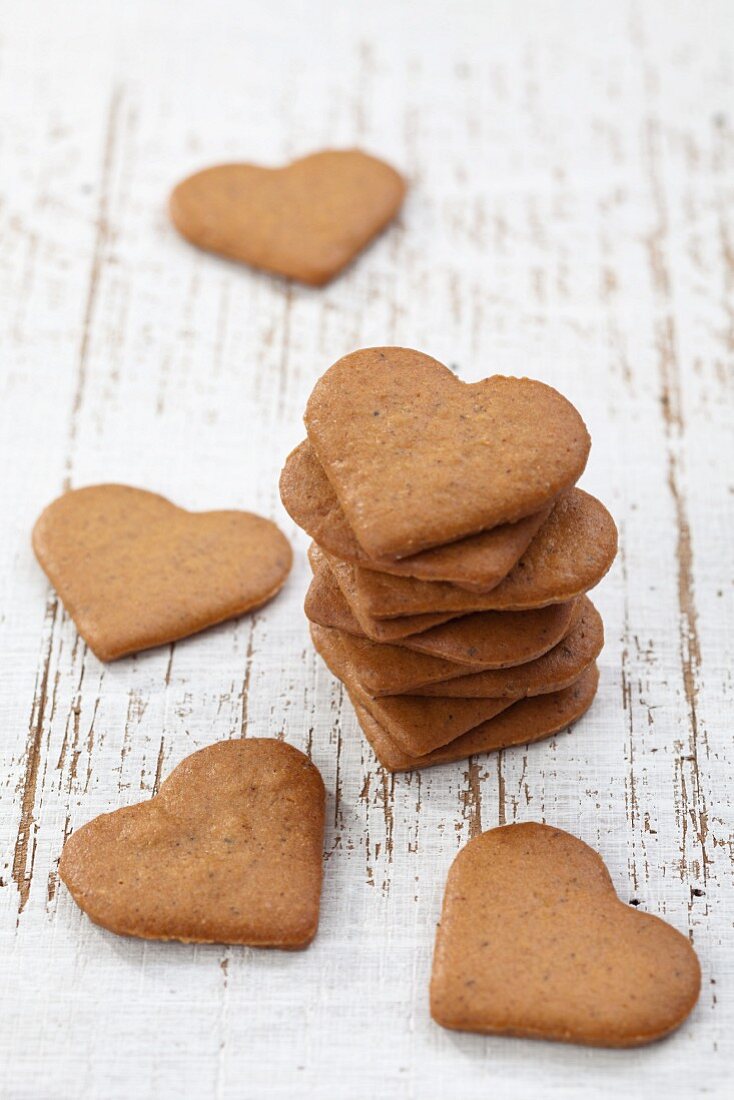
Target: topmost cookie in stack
[451, 554]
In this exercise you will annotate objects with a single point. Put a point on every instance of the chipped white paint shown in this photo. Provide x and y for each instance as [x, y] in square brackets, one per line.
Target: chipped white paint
[570, 218]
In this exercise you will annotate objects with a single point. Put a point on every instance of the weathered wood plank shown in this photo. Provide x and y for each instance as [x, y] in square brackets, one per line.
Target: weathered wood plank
[570, 218]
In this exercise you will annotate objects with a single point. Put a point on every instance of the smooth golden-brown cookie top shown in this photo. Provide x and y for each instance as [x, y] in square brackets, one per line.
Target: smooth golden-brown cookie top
[534, 941]
[477, 563]
[306, 220]
[418, 459]
[134, 571]
[229, 851]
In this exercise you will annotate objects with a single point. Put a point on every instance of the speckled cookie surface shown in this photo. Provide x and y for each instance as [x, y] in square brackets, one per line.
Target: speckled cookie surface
[384, 669]
[229, 851]
[569, 555]
[396, 670]
[306, 220]
[557, 669]
[496, 639]
[417, 458]
[416, 725]
[533, 941]
[522, 723]
[379, 630]
[135, 571]
[487, 639]
[477, 563]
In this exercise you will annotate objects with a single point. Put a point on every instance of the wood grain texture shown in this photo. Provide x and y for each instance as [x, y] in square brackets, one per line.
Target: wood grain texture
[570, 218]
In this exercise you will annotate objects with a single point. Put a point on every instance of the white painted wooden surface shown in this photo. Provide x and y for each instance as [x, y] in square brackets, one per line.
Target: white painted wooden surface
[570, 218]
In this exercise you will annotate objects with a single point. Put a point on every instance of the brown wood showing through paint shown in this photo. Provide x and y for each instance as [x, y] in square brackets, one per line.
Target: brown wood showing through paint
[569, 218]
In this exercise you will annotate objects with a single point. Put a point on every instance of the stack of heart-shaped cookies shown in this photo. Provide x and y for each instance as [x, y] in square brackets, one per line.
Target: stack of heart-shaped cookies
[451, 554]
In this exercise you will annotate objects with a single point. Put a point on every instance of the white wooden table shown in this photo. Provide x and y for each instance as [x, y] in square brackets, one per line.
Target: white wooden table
[570, 218]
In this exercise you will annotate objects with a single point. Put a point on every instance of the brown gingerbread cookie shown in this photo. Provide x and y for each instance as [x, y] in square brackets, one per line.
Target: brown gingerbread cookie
[533, 941]
[135, 571]
[384, 669]
[496, 639]
[477, 563]
[526, 721]
[416, 725]
[557, 669]
[570, 554]
[379, 630]
[306, 220]
[397, 670]
[486, 639]
[229, 851]
[417, 458]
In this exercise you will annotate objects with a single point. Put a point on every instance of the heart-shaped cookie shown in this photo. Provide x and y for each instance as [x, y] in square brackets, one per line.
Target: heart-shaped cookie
[305, 221]
[418, 459]
[380, 630]
[477, 563]
[557, 669]
[533, 941]
[416, 725]
[570, 554]
[229, 851]
[527, 721]
[395, 670]
[487, 639]
[135, 571]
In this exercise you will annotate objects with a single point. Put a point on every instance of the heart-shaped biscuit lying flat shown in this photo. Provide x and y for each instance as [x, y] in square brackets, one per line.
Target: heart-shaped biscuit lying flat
[487, 639]
[477, 563]
[229, 851]
[557, 669]
[417, 726]
[305, 221]
[418, 459]
[135, 571]
[533, 941]
[395, 670]
[570, 554]
[520, 724]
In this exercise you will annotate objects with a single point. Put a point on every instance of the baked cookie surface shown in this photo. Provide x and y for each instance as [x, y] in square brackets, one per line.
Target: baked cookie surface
[569, 555]
[229, 851]
[305, 221]
[135, 571]
[522, 723]
[557, 669]
[417, 458]
[477, 563]
[417, 725]
[533, 941]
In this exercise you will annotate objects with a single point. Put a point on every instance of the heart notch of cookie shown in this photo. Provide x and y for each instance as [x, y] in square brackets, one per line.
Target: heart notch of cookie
[229, 851]
[534, 942]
